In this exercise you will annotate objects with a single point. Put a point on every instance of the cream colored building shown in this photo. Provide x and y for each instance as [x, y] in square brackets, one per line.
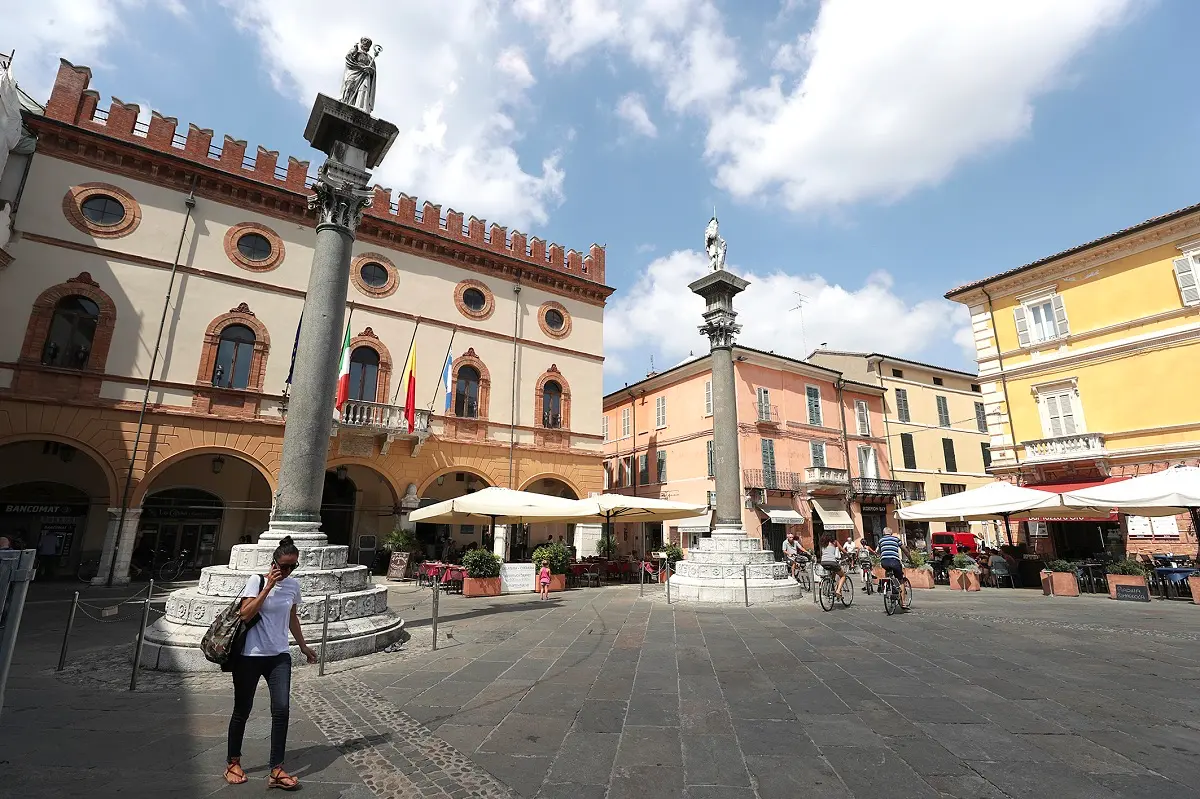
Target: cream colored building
[102, 212]
[937, 429]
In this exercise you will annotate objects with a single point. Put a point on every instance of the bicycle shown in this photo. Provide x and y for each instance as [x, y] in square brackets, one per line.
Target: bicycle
[87, 570]
[866, 569]
[170, 570]
[828, 591]
[897, 594]
[798, 567]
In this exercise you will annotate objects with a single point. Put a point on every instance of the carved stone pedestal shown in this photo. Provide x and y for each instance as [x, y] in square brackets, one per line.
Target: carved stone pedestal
[727, 568]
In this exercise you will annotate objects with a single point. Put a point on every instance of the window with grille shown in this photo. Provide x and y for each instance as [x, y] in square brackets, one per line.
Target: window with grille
[981, 417]
[943, 408]
[909, 450]
[817, 450]
[813, 395]
[863, 415]
[948, 452]
[712, 458]
[660, 412]
[902, 405]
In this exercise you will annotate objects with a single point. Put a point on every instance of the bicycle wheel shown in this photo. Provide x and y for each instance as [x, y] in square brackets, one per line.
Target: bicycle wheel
[825, 592]
[87, 571]
[170, 571]
[906, 597]
[891, 602]
[848, 593]
[868, 588]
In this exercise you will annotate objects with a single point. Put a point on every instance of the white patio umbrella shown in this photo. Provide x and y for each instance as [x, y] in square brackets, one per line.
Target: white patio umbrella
[607, 507]
[500, 505]
[994, 500]
[1166, 493]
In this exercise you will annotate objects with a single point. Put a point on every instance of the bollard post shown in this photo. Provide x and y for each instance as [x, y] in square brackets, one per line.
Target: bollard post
[62, 654]
[667, 566]
[141, 637]
[324, 637]
[746, 583]
[642, 583]
[16, 572]
[437, 589]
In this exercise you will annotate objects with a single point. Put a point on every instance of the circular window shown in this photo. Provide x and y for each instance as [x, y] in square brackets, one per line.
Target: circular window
[103, 210]
[373, 274]
[554, 320]
[474, 299]
[254, 246]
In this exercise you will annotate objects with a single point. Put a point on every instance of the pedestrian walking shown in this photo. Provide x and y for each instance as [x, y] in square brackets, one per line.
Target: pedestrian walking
[273, 600]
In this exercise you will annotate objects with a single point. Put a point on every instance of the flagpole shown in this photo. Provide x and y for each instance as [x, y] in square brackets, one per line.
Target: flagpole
[449, 347]
[396, 394]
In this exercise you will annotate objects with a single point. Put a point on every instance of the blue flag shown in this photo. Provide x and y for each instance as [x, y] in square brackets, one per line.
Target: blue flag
[446, 384]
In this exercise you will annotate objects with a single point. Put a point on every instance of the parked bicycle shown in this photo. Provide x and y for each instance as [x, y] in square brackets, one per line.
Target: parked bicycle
[827, 591]
[88, 570]
[897, 594]
[170, 570]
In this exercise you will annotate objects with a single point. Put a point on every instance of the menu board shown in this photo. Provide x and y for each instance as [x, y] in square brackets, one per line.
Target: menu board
[516, 578]
[1152, 527]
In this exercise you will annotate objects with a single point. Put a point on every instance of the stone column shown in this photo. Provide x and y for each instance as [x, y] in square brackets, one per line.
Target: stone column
[718, 290]
[110, 541]
[125, 542]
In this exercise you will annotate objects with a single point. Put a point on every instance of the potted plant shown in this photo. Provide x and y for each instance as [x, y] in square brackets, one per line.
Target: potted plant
[1058, 579]
[606, 545]
[674, 555]
[920, 573]
[402, 544]
[558, 557]
[483, 573]
[964, 573]
[1125, 572]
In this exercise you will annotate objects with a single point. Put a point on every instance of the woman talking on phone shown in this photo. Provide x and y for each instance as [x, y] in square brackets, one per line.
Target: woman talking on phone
[273, 600]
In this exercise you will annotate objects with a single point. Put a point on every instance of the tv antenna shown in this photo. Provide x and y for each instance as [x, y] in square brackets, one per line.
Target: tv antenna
[801, 299]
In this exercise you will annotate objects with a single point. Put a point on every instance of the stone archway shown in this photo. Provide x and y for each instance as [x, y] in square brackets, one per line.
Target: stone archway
[360, 508]
[443, 540]
[546, 532]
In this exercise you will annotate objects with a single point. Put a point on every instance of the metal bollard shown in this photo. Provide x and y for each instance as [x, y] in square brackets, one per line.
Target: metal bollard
[746, 583]
[16, 572]
[667, 566]
[324, 637]
[62, 654]
[642, 583]
[141, 637]
[437, 589]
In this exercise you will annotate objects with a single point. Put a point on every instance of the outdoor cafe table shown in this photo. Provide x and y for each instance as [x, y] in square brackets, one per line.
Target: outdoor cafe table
[1092, 579]
[1174, 576]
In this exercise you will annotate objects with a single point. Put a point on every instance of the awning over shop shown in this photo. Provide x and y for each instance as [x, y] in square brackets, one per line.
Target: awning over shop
[832, 517]
[782, 515]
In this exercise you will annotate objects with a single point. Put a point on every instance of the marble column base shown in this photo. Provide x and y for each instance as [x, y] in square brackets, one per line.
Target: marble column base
[729, 567]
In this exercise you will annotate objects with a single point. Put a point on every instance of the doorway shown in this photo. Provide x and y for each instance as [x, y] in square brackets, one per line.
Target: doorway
[337, 507]
[182, 523]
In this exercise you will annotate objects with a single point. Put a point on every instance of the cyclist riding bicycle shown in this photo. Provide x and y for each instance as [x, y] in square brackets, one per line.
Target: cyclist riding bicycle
[891, 549]
[831, 561]
[792, 552]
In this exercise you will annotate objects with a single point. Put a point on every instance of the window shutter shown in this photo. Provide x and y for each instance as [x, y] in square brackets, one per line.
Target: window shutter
[712, 464]
[864, 418]
[1060, 316]
[1185, 276]
[643, 469]
[708, 398]
[1022, 326]
[902, 405]
[981, 417]
[1066, 408]
[817, 451]
[943, 409]
[1055, 420]
[662, 466]
[768, 455]
[813, 394]
[604, 427]
[986, 449]
[909, 450]
[866, 463]
[948, 452]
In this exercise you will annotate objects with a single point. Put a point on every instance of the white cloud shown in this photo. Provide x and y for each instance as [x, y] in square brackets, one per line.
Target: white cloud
[870, 317]
[448, 78]
[896, 95]
[632, 109]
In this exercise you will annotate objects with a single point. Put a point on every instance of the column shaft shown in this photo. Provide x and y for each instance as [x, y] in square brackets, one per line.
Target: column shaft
[725, 443]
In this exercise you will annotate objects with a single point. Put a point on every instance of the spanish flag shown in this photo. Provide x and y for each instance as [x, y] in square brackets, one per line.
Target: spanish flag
[408, 383]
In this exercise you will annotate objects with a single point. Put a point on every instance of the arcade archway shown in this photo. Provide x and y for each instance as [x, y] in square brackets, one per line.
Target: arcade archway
[445, 541]
[358, 509]
[547, 532]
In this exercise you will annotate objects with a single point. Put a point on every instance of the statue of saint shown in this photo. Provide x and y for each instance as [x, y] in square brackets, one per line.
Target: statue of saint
[714, 245]
[358, 81]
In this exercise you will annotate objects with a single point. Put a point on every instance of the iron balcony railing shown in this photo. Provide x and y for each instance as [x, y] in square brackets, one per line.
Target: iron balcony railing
[767, 414]
[823, 475]
[382, 418]
[552, 421]
[873, 486]
[772, 480]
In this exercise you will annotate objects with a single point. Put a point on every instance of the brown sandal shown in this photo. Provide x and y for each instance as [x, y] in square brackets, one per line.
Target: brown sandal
[282, 780]
[235, 778]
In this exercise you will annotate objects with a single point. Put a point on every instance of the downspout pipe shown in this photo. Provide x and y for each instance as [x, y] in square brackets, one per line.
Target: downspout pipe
[512, 415]
[1012, 431]
[841, 382]
[190, 204]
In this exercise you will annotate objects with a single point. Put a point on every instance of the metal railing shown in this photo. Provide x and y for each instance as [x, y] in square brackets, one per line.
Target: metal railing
[553, 421]
[382, 418]
[767, 414]
[1081, 445]
[823, 475]
[875, 486]
[772, 479]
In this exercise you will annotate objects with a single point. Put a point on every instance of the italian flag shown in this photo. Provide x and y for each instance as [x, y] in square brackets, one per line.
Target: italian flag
[343, 388]
[408, 382]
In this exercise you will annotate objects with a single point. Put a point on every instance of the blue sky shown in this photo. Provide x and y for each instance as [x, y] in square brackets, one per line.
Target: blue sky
[866, 153]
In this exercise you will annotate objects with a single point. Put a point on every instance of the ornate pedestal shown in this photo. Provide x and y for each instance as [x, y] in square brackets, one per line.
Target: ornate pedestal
[359, 620]
[713, 572]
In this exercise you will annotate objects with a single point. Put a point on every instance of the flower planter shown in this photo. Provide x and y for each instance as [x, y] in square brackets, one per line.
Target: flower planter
[1125, 579]
[1060, 584]
[963, 580]
[481, 586]
[919, 578]
[558, 582]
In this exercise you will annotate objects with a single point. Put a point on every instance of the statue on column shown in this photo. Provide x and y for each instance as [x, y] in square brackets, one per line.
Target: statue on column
[714, 245]
[358, 80]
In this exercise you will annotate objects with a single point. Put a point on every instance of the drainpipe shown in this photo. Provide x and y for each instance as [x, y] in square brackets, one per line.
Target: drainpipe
[512, 414]
[887, 432]
[190, 203]
[841, 381]
[1004, 385]
[633, 471]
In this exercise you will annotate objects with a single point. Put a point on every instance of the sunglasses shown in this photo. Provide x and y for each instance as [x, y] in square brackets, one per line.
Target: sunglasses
[286, 567]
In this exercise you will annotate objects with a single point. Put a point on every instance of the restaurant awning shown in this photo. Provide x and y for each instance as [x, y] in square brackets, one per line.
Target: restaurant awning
[782, 515]
[832, 516]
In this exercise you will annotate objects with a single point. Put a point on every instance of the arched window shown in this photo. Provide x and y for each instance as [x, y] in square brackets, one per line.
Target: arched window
[364, 374]
[552, 405]
[72, 329]
[466, 393]
[235, 352]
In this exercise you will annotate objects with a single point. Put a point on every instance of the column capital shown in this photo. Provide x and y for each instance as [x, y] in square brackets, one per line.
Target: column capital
[338, 203]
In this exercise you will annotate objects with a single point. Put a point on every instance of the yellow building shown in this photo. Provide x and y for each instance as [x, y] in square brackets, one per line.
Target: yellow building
[937, 430]
[1088, 362]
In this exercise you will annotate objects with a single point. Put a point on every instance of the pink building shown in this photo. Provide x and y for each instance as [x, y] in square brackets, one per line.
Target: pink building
[813, 450]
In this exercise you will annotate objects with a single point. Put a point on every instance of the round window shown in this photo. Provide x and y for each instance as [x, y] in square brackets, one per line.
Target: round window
[554, 319]
[373, 274]
[474, 299]
[254, 246]
[100, 209]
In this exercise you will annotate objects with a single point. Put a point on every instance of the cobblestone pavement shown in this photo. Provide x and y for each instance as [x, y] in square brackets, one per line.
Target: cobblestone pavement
[601, 694]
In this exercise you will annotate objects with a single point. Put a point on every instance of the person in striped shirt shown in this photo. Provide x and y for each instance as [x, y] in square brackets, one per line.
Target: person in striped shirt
[891, 550]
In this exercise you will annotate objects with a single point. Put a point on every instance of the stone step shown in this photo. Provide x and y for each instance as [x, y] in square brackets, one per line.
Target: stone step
[225, 581]
[720, 558]
[714, 571]
[257, 557]
[734, 591]
[190, 606]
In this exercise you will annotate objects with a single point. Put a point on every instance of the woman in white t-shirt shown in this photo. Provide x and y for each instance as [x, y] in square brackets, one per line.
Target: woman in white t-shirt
[265, 653]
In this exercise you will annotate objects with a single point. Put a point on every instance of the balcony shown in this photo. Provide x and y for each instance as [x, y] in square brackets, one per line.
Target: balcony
[388, 420]
[823, 475]
[551, 421]
[772, 479]
[1065, 448]
[874, 487]
[767, 414]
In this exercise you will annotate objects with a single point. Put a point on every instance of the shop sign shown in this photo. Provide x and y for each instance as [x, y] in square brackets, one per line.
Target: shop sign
[188, 512]
[32, 509]
[874, 508]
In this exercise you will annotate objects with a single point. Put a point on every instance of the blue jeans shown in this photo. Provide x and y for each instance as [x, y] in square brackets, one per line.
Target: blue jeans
[247, 671]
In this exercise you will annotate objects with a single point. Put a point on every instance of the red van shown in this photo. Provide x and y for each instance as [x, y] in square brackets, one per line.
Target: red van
[948, 543]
